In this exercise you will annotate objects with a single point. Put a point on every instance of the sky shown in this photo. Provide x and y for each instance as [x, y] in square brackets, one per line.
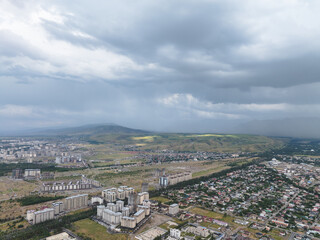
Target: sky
[179, 66]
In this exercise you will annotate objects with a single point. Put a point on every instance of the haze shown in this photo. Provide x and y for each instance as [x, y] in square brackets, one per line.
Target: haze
[179, 66]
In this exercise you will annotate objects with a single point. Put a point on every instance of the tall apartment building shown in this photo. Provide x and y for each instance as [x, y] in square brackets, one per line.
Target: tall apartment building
[58, 207]
[142, 196]
[76, 202]
[17, 173]
[145, 208]
[97, 199]
[171, 179]
[128, 222]
[125, 212]
[112, 194]
[133, 201]
[35, 217]
[120, 205]
[112, 207]
[116, 212]
[164, 181]
[160, 172]
[111, 217]
[175, 233]
[100, 210]
[32, 173]
[141, 214]
[173, 209]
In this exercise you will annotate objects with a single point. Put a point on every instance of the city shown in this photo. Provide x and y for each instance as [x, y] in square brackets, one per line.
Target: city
[195, 195]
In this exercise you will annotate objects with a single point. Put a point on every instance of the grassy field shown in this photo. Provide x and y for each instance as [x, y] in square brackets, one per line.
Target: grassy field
[15, 188]
[209, 171]
[161, 199]
[274, 233]
[212, 214]
[104, 154]
[213, 135]
[93, 230]
[145, 138]
[193, 142]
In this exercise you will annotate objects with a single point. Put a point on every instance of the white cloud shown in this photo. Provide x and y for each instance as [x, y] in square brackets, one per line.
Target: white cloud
[58, 56]
[15, 110]
[190, 104]
[207, 109]
[278, 29]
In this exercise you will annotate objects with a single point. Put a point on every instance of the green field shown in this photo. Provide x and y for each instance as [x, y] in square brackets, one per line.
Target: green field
[90, 229]
[212, 214]
[209, 171]
[161, 199]
[192, 142]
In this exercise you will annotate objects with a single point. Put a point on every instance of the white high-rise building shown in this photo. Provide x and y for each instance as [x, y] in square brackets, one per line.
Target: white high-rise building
[126, 211]
[76, 202]
[111, 217]
[58, 207]
[35, 217]
[173, 209]
[175, 233]
[128, 222]
[100, 210]
[120, 205]
[139, 215]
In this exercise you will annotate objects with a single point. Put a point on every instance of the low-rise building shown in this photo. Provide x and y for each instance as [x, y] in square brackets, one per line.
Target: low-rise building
[62, 186]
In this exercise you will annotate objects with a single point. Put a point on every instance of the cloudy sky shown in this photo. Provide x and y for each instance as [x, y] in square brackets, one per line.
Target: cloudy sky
[182, 65]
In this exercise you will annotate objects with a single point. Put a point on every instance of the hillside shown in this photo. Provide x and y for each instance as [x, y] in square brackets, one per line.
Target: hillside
[143, 140]
[86, 130]
[192, 142]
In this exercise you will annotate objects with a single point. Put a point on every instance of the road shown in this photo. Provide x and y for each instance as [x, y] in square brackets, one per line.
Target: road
[292, 235]
[283, 207]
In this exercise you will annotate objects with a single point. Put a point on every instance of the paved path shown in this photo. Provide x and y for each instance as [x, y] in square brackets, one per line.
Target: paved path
[71, 234]
[292, 235]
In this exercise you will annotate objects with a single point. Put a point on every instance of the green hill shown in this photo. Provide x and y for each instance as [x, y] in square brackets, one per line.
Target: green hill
[87, 130]
[192, 142]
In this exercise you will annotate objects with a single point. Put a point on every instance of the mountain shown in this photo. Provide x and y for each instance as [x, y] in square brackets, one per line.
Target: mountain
[92, 129]
[289, 127]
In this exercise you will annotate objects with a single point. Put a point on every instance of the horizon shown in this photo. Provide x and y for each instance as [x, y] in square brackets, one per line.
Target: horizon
[51, 131]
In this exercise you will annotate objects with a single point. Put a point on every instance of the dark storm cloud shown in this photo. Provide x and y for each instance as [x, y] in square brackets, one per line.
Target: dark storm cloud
[163, 65]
